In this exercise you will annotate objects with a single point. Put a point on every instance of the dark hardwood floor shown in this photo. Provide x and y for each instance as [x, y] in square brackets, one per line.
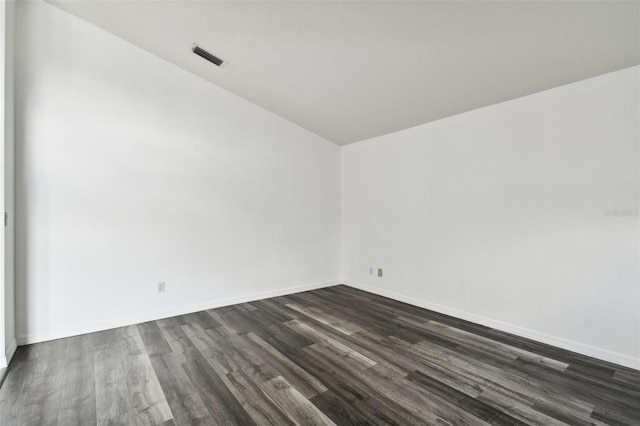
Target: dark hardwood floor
[335, 355]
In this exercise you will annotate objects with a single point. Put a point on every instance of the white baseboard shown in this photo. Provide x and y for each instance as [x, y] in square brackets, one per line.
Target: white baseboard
[36, 338]
[581, 348]
[10, 350]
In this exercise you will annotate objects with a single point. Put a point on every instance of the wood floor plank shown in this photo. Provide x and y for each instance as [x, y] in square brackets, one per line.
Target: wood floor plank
[153, 339]
[320, 333]
[342, 355]
[340, 411]
[330, 356]
[414, 399]
[566, 414]
[186, 405]
[468, 339]
[258, 405]
[78, 398]
[306, 383]
[373, 402]
[516, 409]
[323, 317]
[12, 398]
[472, 405]
[41, 391]
[293, 403]
[113, 401]
[202, 319]
[147, 398]
[220, 402]
[613, 417]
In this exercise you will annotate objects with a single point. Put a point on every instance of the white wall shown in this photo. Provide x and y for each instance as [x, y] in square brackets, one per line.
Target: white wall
[7, 54]
[3, 66]
[499, 216]
[130, 171]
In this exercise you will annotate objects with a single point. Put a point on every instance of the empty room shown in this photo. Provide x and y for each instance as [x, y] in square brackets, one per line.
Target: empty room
[320, 212]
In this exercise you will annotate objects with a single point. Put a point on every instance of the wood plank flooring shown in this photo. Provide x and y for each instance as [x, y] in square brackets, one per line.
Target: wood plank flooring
[330, 356]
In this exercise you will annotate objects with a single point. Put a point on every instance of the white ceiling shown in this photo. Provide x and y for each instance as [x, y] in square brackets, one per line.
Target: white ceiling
[349, 71]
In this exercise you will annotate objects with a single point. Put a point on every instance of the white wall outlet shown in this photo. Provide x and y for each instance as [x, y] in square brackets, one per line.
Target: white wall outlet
[380, 272]
[370, 270]
[161, 287]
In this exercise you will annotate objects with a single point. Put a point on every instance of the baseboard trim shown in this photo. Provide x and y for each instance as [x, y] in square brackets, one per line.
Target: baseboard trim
[10, 350]
[581, 348]
[36, 338]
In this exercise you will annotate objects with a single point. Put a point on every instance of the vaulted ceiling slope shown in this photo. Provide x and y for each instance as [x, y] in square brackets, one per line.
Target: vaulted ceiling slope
[350, 71]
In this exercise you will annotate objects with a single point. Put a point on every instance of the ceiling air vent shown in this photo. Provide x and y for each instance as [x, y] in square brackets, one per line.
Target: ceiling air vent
[208, 56]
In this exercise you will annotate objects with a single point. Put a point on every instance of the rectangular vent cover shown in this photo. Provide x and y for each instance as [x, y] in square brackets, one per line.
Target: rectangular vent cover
[208, 56]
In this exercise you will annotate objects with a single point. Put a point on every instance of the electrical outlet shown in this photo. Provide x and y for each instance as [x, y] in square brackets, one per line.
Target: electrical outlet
[161, 287]
[370, 270]
[380, 272]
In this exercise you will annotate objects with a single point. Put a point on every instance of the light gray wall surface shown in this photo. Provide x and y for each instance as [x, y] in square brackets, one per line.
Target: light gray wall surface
[521, 215]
